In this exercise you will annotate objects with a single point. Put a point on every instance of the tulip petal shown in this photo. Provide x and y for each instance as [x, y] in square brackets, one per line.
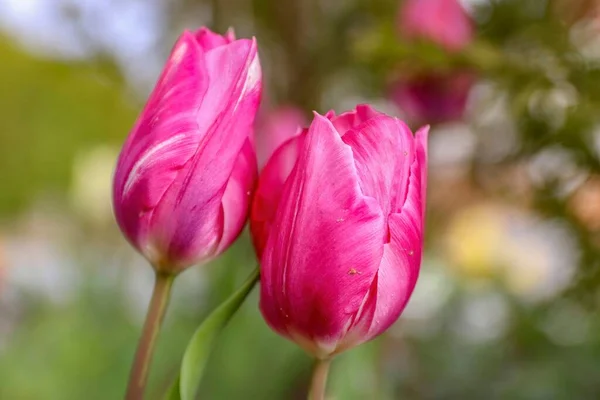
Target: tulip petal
[236, 199]
[352, 119]
[325, 245]
[421, 138]
[208, 40]
[163, 139]
[223, 124]
[383, 149]
[400, 265]
[270, 188]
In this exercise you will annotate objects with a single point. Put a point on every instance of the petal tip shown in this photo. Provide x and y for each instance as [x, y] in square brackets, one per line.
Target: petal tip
[230, 34]
[316, 114]
[424, 130]
[318, 118]
[186, 36]
[422, 135]
[367, 109]
[199, 32]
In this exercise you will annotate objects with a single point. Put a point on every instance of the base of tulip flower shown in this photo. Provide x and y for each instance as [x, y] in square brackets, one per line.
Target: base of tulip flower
[154, 318]
[318, 382]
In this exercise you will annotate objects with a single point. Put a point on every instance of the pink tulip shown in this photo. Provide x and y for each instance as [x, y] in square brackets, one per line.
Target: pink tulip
[444, 22]
[433, 97]
[276, 127]
[185, 174]
[337, 222]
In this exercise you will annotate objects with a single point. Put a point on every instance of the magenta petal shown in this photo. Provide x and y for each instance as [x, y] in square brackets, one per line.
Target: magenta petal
[421, 138]
[209, 40]
[162, 141]
[383, 149]
[400, 265]
[325, 245]
[188, 218]
[393, 285]
[237, 195]
[270, 188]
[352, 119]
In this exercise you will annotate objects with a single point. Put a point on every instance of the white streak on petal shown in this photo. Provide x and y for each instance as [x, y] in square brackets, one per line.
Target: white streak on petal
[252, 78]
[178, 54]
[254, 74]
[134, 175]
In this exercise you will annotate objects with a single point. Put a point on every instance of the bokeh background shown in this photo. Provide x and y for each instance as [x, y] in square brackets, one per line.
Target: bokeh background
[507, 303]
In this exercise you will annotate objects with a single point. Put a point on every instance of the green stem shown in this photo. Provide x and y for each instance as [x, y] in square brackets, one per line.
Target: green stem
[319, 380]
[154, 317]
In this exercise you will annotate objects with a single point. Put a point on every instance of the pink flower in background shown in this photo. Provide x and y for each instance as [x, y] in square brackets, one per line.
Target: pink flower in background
[276, 127]
[444, 22]
[433, 97]
[337, 222]
[185, 174]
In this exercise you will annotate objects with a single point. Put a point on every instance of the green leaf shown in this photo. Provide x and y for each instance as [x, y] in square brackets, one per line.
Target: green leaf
[173, 393]
[199, 347]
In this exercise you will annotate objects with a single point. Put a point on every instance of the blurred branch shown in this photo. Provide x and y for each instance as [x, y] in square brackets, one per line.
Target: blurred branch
[293, 21]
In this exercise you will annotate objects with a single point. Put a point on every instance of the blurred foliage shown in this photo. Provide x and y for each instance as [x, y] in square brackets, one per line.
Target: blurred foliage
[532, 143]
[50, 110]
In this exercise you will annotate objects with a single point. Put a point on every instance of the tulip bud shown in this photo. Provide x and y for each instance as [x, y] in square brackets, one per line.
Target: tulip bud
[184, 176]
[444, 22]
[337, 222]
[433, 97]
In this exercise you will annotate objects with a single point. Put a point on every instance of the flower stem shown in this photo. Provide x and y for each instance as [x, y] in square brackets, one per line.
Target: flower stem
[319, 380]
[154, 317]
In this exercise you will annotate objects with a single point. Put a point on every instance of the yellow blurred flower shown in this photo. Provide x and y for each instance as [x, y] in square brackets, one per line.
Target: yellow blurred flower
[91, 188]
[471, 239]
[533, 258]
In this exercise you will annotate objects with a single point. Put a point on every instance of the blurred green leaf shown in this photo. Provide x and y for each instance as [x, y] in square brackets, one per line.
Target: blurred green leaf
[174, 393]
[200, 345]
